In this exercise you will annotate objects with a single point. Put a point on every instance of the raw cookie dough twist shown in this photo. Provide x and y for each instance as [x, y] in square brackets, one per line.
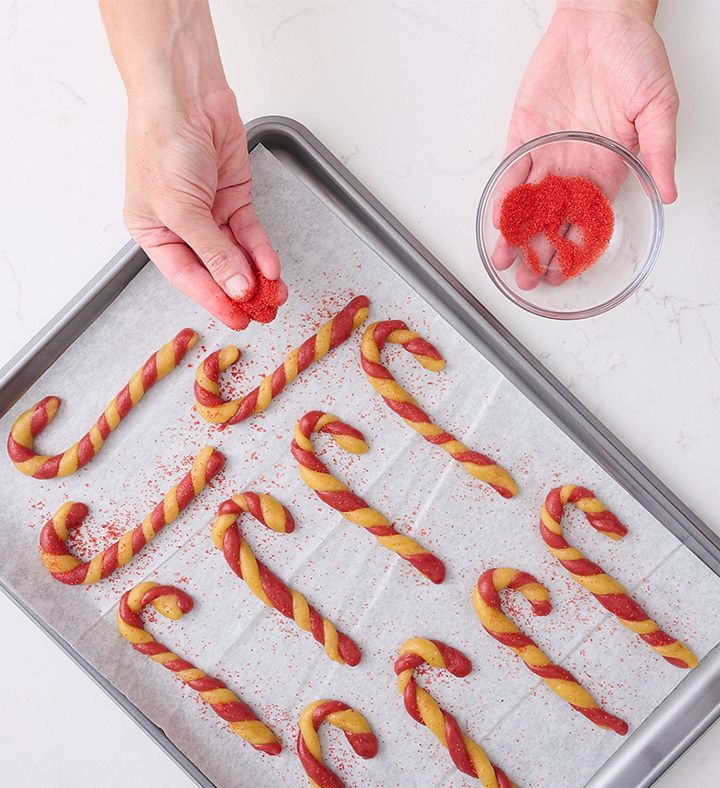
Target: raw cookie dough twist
[32, 422]
[466, 754]
[212, 407]
[350, 722]
[266, 586]
[352, 507]
[406, 406]
[608, 592]
[173, 603]
[66, 568]
[497, 624]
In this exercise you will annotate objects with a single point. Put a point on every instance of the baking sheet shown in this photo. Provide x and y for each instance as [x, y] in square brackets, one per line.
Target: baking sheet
[369, 593]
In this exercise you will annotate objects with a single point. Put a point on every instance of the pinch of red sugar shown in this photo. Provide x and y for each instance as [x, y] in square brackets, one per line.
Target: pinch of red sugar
[544, 208]
[261, 304]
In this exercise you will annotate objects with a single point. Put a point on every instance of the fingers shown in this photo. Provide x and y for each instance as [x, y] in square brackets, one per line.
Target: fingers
[503, 255]
[183, 270]
[282, 291]
[251, 235]
[222, 257]
[517, 174]
[657, 137]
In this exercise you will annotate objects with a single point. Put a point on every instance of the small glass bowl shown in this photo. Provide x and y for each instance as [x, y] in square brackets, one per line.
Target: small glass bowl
[637, 233]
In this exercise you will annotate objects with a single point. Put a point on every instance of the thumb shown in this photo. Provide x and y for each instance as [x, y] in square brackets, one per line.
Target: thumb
[657, 138]
[224, 259]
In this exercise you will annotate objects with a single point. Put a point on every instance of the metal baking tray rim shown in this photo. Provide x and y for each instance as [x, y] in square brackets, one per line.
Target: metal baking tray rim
[694, 704]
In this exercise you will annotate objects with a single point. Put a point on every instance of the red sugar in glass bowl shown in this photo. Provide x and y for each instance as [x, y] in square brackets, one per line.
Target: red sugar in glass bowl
[576, 174]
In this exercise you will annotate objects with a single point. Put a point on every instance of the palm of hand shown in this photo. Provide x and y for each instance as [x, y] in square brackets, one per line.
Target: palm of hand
[603, 73]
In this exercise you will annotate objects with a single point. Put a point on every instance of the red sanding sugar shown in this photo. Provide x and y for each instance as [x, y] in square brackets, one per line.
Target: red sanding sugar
[547, 208]
[262, 302]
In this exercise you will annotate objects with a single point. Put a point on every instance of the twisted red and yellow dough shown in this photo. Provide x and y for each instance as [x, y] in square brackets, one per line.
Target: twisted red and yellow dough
[33, 421]
[466, 754]
[173, 603]
[405, 405]
[486, 600]
[266, 586]
[608, 592]
[352, 507]
[350, 722]
[66, 568]
[212, 407]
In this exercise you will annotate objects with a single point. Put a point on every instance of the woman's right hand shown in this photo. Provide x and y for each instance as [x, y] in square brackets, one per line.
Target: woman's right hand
[188, 190]
[188, 201]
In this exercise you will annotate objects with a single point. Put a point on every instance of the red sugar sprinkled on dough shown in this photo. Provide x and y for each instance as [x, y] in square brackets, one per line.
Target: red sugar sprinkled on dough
[545, 208]
[262, 303]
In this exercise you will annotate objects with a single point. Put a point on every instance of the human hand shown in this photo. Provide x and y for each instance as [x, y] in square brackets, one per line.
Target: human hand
[188, 190]
[600, 67]
[188, 202]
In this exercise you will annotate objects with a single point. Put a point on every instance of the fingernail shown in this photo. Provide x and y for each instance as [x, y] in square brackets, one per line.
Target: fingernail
[237, 286]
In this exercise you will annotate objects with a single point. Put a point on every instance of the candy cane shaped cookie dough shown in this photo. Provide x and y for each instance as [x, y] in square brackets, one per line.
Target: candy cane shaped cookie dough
[32, 422]
[466, 754]
[486, 600]
[609, 593]
[266, 586]
[173, 603]
[405, 405]
[66, 568]
[352, 507]
[212, 407]
[351, 723]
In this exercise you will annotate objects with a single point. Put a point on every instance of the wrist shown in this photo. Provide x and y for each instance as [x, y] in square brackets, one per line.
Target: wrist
[166, 51]
[642, 10]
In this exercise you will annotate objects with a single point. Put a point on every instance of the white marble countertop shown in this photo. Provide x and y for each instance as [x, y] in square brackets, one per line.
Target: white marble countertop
[421, 121]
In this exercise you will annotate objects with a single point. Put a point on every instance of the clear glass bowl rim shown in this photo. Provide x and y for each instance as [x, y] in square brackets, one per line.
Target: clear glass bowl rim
[646, 181]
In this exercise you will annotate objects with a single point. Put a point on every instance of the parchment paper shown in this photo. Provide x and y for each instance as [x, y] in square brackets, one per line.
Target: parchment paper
[368, 592]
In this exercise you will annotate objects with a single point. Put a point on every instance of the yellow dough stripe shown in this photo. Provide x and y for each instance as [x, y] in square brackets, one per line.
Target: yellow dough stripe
[66, 568]
[266, 586]
[173, 603]
[374, 339]
[609, 593]
[466, 754]
[33, 421]
[352, 507]
[350, 722]
[213, 408]
[486, 599]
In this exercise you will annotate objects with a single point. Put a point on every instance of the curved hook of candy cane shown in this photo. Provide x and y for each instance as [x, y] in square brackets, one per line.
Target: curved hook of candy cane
[173, 603]
[497, 624]
[609, 593]
[351, 723]
[213, 408]
[466, 754]
[66, 568]
[33, 421]
[406, 406]
[266, 586]
[352, 507]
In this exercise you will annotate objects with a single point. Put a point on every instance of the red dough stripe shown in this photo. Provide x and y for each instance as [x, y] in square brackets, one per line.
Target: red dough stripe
[234, 710]
[610, 594]
[227, 536]
[53, 536]
[364, 744]
[497, 624]
[401, 402]
[415, 653]
[347, 502]
[34, 420]
[214, 408]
